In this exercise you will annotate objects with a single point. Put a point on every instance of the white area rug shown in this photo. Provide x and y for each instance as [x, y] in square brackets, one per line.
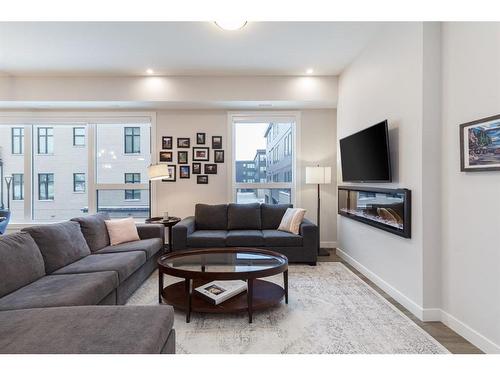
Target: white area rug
[330, 310]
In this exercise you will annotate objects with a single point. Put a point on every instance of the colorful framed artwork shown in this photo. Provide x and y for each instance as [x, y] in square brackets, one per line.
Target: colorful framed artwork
[183, 142]
[182, 157]
[172, 171]
[184, 171]
[219, 156]
[480, 145]
[166, 156]
[201, 153]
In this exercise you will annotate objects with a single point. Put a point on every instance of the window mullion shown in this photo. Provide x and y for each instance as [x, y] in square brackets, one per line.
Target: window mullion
[91, 168]
[28, 173]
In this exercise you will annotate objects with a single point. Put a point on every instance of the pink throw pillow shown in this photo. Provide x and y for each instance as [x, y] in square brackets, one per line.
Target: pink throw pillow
[122, 230]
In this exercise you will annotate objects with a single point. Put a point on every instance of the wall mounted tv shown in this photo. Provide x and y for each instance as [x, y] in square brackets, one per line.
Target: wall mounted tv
[365, 155]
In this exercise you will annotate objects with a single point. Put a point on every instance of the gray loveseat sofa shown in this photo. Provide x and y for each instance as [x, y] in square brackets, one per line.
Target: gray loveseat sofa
[246, 225]
[53, 276]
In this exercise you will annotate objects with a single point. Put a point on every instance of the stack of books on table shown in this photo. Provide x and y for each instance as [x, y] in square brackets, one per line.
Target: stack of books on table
[217, 292]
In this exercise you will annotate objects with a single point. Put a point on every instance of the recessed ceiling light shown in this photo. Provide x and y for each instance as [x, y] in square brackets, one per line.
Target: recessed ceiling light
[310, 71]
[150, 71]
[231, 25]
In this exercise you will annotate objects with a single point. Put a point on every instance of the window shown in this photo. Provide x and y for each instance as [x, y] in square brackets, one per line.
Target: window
[132, 178]
[78, 136]
[79, 183]
[45, 186]
[17, 186]
[17, 141]
[132, 140]
[45, 140]
[271, 183]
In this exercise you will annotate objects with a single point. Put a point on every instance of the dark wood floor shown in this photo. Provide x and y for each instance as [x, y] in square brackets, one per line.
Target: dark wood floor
[449, 339]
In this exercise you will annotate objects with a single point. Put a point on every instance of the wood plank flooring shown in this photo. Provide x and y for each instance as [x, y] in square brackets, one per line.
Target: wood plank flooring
[455, 343]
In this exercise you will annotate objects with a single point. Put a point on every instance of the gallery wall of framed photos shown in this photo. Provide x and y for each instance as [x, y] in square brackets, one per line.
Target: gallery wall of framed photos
[186, 157]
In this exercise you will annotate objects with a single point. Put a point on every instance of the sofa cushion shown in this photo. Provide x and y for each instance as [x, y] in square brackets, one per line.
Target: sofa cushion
[125, 264]
[94, 230]
[86, 330]
[20, 262]
[210, 217]
[207, 238]
[150, 246]
[271, 214]
[243, 216]
[62, 290]
[274, 237]
[60, 244]
[244, 238]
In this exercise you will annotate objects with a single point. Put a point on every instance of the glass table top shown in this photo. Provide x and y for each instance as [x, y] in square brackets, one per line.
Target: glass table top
[224, 261]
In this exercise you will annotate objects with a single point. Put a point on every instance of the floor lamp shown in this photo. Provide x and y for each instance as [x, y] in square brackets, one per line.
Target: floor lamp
[319, 176]
[156, 172]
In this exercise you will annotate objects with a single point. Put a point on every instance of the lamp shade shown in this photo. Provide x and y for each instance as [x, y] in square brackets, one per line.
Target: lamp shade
[318, 175]
[157, 171]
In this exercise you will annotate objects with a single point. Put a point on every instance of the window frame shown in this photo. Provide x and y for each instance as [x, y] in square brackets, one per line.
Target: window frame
[135, 181]
[133, 140]
[21, 196]
[17, 139]
[46, 140]
[84, 183]
[75, 136]
[31, 120]
[265, 116]
[46, 184]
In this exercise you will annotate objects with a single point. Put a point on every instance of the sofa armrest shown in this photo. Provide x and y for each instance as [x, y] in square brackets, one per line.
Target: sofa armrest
[309, 231]
[181, 231]
[147, 231]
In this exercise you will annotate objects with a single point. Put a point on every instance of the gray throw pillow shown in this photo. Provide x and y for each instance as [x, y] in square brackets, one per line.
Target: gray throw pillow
[60, 244]
[243, 216]
[210, 217]
[21, 262]
[94, 230]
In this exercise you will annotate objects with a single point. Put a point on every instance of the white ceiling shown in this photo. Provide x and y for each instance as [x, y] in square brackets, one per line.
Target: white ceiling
[180, 48]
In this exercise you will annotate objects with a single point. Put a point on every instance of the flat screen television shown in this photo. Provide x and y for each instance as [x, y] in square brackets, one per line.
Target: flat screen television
[365, 155]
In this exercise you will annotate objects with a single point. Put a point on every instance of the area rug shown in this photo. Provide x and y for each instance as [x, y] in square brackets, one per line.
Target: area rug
[330, 310]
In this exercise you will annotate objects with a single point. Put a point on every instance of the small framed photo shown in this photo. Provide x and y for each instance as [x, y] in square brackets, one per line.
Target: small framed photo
[183, 142]
[182, 157]
[480, 145]
[184, 171]
[166, 156]
[171, 170]
[202, 179]
[210, 168]
[201, 138]
[201, 154]
[216, 142]
[219, 156]
[166, 143]
[196, 168]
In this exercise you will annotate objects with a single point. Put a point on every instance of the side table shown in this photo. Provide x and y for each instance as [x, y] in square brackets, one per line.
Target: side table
[168, 223]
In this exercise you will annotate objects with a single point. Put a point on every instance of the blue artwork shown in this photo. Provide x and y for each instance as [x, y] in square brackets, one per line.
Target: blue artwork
[480, 142]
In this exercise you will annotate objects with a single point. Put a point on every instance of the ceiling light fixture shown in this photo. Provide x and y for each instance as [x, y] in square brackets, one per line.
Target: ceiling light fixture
[310, 71]
[231, 25]
[149, 71]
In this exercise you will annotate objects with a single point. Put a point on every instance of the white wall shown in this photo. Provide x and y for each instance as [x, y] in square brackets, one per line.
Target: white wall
[317, 146]
[471, 201]
[385, 82]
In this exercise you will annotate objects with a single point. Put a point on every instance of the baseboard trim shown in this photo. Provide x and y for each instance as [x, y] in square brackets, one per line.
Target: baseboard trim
[470, 334]
[426, 315]
[408, 303]
[328, 244]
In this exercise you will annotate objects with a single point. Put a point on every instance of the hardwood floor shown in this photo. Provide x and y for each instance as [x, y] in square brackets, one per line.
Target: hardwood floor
[455, 343]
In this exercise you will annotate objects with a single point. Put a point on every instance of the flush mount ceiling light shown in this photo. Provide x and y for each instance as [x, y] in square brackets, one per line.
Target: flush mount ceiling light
[149, 71]
[310, 71]
[231, 25]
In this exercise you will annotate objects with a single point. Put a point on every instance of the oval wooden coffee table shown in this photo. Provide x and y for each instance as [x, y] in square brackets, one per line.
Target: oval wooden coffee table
[198, 267]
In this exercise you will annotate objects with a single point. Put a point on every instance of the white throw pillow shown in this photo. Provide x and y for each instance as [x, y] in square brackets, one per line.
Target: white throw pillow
[291, 220]
[122, 230]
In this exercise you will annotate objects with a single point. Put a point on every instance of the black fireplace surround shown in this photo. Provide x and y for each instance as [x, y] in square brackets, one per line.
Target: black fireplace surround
[386, 209]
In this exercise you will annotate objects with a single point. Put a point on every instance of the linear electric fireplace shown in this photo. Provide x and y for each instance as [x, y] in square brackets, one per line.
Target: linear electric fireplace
[386, 209]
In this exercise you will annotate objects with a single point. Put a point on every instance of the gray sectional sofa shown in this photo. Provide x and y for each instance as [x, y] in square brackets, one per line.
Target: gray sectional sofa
[246, 225]
[52, 277]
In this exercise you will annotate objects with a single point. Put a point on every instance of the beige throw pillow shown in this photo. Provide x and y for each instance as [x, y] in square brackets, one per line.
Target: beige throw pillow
[122, 230]
[291, 220]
